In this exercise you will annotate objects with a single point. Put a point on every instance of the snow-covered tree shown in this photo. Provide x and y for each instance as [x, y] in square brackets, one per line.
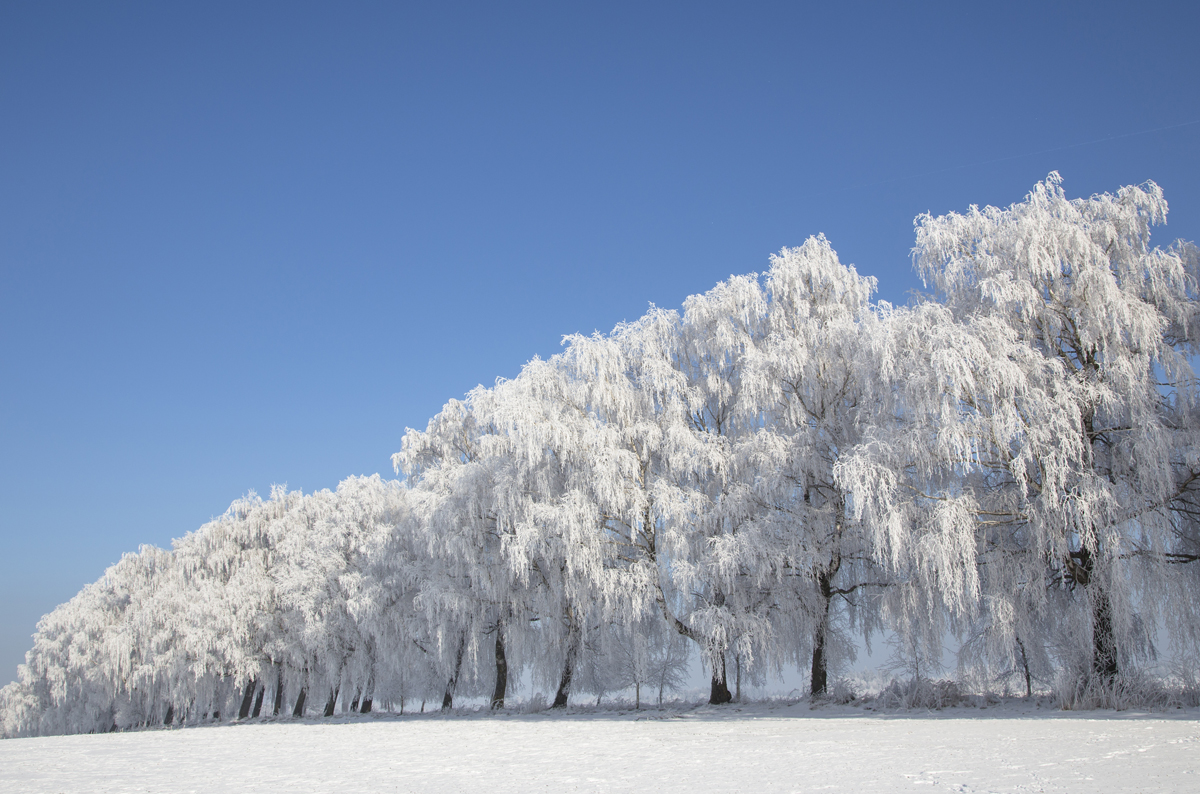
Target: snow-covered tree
[1014, 459]
[1047, 404]
[459, 473]
[814, 374]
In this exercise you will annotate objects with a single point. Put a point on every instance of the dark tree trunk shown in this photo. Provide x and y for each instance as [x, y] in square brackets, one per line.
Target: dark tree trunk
[278, 691]
[564, 683]
[501, 669]
[819, 681]
[720, 691]
[299, 710]
[354, 702]
[452, 684]
[1104, 641]
[258, 700]
[331, 704]
[369, 693]
[167, 720]
[247, 699]
[1025, 668]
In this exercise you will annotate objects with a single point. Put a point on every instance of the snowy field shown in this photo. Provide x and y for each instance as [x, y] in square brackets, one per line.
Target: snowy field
[755, 748]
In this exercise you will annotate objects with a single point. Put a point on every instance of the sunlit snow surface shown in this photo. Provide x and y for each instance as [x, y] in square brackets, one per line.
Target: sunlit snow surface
[755, 748]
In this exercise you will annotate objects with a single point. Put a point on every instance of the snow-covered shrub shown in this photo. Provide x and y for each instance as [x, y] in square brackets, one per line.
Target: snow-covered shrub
[1078, 690]
[842, 692]
[918, 693]
[535, 704]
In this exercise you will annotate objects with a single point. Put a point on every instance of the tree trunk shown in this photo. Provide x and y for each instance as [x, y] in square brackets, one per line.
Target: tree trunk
[452, 684]
[720, 692]
[331, 704]
[368, 693]
[247, 699]
[299, 710]
[501, 669]
[354, 702]
[1025, 668]
[1104, 641]
[563, 694]
[258, 701]
[278, 691]
[167, 720]
[819, 680]
[564, 683]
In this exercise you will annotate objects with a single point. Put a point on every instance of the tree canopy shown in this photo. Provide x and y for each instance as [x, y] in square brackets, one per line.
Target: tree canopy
[1012, 460]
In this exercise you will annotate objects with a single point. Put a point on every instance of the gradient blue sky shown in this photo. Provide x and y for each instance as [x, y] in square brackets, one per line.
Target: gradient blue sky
[250, 243]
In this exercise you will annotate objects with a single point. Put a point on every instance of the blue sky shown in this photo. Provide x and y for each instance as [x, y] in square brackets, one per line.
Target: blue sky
[251, 243]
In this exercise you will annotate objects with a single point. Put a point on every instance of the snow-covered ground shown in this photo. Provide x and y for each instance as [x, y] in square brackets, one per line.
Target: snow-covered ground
[753, 748]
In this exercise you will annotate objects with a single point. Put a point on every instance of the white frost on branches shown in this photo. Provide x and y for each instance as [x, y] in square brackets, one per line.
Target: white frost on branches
[1012, 460]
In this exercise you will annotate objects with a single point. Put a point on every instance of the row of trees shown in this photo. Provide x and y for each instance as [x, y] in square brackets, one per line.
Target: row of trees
[298, 604]
[1012, 460]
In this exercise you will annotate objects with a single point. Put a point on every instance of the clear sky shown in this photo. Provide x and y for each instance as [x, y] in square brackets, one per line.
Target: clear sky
[251, 243]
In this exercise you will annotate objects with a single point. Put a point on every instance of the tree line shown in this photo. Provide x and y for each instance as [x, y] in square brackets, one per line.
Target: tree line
[782, 466]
